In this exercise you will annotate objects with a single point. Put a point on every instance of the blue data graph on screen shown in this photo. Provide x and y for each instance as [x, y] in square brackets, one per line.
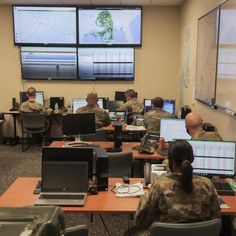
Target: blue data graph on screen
[110, 26]
[45, 25]
[48, 63]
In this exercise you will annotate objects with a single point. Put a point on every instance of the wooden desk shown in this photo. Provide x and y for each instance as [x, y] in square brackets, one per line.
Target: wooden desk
[20, 194]
[126, 147]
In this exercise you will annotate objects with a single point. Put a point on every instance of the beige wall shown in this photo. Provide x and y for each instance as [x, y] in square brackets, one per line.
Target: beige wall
[190, 12]
[156, 62]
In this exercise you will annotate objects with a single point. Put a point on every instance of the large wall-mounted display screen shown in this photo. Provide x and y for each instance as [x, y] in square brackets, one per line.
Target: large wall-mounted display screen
[39, 25]
[106, 63]
[110, 26]
[48, 63]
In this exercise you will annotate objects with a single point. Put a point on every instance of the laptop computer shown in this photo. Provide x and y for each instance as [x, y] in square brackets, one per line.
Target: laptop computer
[115, 114]
[63, 183]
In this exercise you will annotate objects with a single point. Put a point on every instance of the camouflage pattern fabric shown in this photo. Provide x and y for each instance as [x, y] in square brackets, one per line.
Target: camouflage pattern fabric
[167, 202]
[152, 118]
[32, 106]
[101, 116]
[133, 105]
[207, 136]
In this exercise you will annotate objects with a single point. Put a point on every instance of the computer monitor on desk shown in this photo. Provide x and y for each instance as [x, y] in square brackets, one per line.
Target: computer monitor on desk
[81, 102]
[113, 105]
[76, 124]
[214, 158]
[169, 105]
[171, 129]
[39, 97]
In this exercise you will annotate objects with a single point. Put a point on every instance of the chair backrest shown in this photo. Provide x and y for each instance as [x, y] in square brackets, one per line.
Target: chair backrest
[33, 122]
[120, 164]
[203, 228]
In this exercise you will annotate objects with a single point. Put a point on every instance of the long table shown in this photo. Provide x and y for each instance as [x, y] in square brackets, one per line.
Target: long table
[126, 147]
[20, 194]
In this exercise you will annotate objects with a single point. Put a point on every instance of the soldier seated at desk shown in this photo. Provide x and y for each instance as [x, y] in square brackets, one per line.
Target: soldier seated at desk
[178, 197]
[101, 116]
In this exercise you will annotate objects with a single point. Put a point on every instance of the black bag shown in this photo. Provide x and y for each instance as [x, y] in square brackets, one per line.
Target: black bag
[32, 221]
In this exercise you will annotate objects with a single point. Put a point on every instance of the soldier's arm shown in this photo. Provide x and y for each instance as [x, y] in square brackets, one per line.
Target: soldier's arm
[148, 208]
[215, 207]
[106, 119]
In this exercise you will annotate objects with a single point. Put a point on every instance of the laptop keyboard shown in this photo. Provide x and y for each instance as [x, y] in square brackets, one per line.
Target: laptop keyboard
[62, 196]
[223, 188]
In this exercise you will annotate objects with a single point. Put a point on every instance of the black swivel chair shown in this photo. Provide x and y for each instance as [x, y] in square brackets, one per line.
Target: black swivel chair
[120, 164]
[32, 123]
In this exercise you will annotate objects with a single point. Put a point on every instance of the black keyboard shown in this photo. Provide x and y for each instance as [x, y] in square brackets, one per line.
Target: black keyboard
[62, 196]
[223, 188]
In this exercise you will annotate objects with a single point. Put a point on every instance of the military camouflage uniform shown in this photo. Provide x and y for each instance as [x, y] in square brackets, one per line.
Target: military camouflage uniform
[207, 136]
[101, 116]
[152, 118]
[167, 202]
[133, 105]
[31, 106]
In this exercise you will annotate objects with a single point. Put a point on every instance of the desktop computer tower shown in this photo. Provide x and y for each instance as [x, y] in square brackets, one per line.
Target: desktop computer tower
[102, 169]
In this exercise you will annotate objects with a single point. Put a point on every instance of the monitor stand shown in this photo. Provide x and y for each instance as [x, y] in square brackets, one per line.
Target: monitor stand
[78, 143]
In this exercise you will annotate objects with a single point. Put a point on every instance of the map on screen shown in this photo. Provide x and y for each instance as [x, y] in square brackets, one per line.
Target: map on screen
[44, 25]
[110, 26]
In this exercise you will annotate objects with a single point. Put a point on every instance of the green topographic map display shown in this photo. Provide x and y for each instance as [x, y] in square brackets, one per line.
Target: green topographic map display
[105, 22]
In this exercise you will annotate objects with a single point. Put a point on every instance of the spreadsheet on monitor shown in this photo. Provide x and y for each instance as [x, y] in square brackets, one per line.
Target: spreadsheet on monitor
[213, 157]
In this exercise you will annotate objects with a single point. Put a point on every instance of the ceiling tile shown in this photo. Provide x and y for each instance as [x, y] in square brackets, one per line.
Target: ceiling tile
[105, 2]
[136, 2]
[166, 2]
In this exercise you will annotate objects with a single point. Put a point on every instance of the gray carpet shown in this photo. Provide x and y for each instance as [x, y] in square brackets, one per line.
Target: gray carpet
[14, 163]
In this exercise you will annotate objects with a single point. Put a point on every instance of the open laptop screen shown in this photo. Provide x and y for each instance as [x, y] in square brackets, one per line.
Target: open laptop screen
[114, 114]
[213, 157]
[171, 129]
[64, 176]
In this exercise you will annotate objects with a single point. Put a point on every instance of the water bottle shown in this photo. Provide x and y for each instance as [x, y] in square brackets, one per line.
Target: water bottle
[147, 173]
[56, 107]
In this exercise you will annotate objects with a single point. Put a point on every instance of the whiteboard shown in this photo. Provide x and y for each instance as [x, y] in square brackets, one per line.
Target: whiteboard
[226, 66]
[207, 57]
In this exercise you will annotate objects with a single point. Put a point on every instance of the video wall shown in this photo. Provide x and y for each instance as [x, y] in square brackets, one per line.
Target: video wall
[77, 43]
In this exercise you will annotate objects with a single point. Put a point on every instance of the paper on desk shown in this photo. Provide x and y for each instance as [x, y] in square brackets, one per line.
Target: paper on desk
[222, 203]
[133, 127]
[129, 190]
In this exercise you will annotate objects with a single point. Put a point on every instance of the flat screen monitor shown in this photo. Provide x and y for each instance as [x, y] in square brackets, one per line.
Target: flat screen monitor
[169, 105]
[39, 97]
[213, 158]
[56, 100]
[80, 123]
[106, 63]
[44, 25]
[171, 129]
[114, 105]
[110, 26]
[81, 102]
[49, 63]
[115, 114]
[66, 154]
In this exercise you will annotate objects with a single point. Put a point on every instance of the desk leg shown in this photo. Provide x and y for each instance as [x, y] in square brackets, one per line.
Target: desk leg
[15, 139]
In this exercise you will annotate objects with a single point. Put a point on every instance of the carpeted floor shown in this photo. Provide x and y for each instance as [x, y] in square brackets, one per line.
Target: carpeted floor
[14, 163]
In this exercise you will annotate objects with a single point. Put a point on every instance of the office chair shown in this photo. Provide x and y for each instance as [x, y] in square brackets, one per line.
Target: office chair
[203, 228]
[32, 123]
[100, 135]
[120, 164]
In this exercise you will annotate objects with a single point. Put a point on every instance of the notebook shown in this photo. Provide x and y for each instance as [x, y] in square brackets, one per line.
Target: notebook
[64, 183]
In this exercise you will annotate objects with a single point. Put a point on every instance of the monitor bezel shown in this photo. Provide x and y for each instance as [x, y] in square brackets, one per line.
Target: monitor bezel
[46, 44]
[211, 174]
[111, 8]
